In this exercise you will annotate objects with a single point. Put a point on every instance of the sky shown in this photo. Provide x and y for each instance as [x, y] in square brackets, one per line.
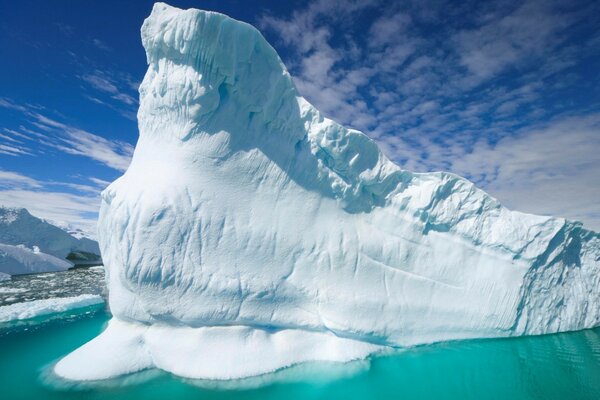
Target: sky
[504, 93]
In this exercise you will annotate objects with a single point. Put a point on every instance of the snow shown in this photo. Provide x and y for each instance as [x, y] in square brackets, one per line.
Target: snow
[19, 227]
[17, 260]
[247, 220]
[37, 308]
[4, 277]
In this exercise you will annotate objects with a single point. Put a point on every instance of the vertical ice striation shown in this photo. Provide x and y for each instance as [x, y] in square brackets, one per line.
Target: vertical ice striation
[251, 233]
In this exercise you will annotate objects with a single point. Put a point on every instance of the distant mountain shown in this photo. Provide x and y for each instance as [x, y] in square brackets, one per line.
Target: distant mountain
[29, 244]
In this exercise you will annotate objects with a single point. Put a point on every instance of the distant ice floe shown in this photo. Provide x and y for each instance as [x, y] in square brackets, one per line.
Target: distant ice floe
[37, 308]
[18, 260]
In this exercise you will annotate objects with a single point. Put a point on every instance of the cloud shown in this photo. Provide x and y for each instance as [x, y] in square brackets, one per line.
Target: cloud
[15, 179]
[113, 86]
[69, 139]
[112, 153]
[100, 82]
[101, 45]
[532, 30]
[388, 28]
[551, 170]
[14, 150]
[7, 103]
[101, 183]
[40, 198]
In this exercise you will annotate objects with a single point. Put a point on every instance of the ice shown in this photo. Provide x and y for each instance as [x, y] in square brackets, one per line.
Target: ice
[215, 352]
[17, 260]
[9, 290]
[37, 308]
[247, 220]
[4, 277]
[19, 227]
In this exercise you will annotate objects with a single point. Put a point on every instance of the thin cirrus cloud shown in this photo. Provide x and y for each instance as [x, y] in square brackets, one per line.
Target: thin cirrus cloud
[115, 154]
[42, 199]
[112, 90]
[66, 203]
[112, 153]
[476, 88]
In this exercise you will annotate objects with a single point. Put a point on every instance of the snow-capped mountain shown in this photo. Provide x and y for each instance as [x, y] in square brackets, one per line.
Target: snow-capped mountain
[29, 244]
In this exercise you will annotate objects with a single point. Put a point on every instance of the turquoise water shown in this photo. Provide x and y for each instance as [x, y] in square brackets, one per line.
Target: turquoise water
[564, 366]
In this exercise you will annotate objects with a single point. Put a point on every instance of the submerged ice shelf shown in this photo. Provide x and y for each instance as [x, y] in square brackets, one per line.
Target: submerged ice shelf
[251, 233]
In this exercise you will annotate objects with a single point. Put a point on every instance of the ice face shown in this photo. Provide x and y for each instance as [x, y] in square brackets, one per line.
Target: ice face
[246, 210]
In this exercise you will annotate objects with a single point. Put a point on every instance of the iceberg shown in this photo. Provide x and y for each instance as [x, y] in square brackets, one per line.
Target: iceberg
[17, 260]
[38, 308]
[251, 232]
[4, 276]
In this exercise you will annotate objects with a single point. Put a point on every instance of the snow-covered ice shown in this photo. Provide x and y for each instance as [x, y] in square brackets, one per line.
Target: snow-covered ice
[37, 308]
[251, 233]
[29, 245]
[16, 260]
[19, 227]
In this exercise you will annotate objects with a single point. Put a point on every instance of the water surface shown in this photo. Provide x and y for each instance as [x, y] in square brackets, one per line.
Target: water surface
[563, 366]
[21, 288]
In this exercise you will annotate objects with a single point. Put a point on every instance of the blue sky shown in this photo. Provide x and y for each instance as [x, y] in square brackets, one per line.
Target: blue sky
[504, 93]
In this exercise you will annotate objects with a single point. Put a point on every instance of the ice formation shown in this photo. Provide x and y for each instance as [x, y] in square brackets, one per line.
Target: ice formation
[251, 233]
[19, 227]
[4, 276]
[38, 308]
[16, 260]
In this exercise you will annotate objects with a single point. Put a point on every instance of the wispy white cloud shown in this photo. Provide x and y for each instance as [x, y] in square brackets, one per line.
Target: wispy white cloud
[43, 200]
[100, 183]
[507, 38]
[15, 179]
[101, 45]
[111, 85]
[14, 150]
[112, 153]
[69, 139]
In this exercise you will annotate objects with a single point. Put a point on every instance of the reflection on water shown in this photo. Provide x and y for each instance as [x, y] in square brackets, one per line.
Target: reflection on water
[54, 284]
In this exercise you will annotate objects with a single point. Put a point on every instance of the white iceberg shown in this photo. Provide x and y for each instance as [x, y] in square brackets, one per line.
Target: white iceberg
[38, 308]
[17, 260]
[251, 233]
[4, 277]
